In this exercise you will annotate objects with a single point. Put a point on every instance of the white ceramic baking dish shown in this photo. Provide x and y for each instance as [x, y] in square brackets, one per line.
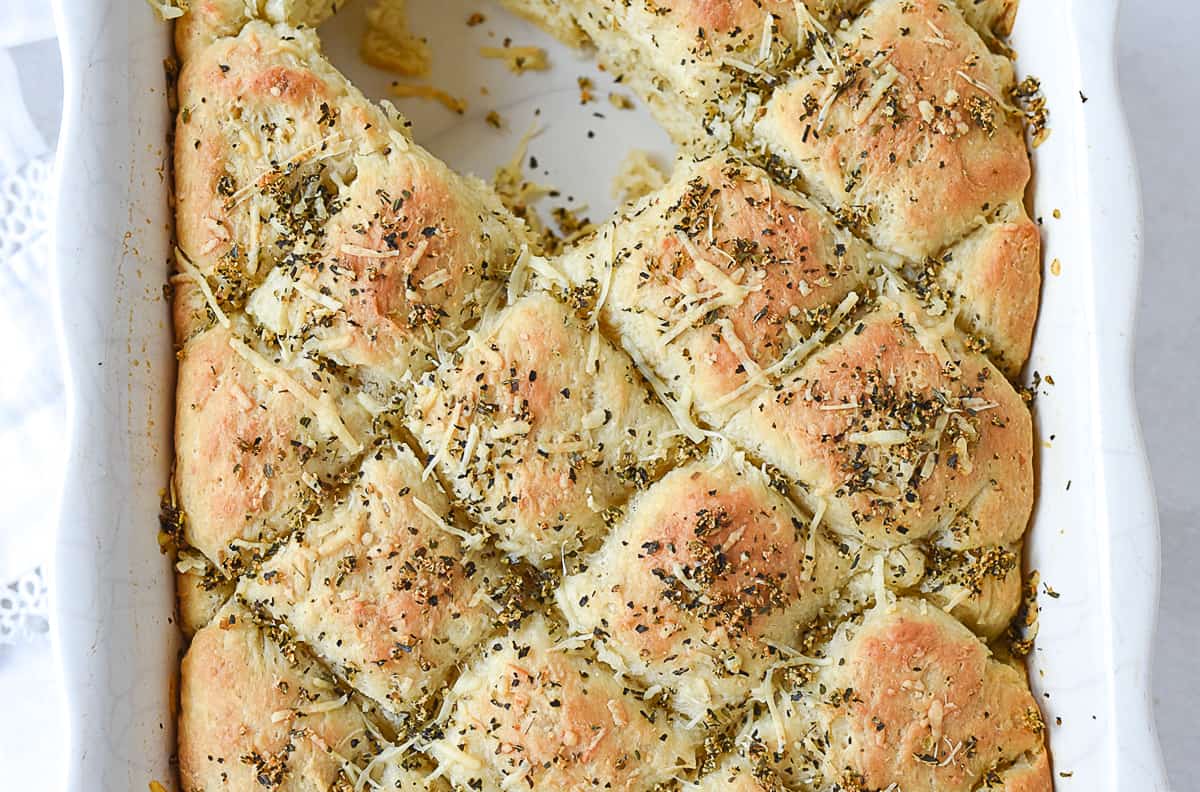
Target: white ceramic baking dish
[1095, 537]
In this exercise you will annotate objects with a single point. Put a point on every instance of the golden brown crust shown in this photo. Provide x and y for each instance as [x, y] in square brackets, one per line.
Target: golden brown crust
[707, 576]
[929, 708]
[412, 258]
[906, 698]
[255, 713]
[899, 437]
[250, 126]
[720, 279]
[301, 202]
[208, 20]
[258, 712]
[256, 442]
[539, 427]
[544, 716]
[996, 276]
[381, 586]
[704, 67]
[913, 129]
[918, 143]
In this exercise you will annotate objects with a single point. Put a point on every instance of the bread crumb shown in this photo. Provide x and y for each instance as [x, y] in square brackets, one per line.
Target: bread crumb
[388, 43]
[585, 89]
[637, 175]
[620, 101]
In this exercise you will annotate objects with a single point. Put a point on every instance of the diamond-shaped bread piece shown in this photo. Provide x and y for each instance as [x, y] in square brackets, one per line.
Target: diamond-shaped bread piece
[700, 65]
[911, 125]
[720, 282]
[705, 67]
[535, 714]
[265, 135]
[908, 698]
[381, 586]
[257, 441]
[409, 261]
[709, 577]
[310, 207]
[992, 281]
[256, 711]
[898, 435]
[539, 426]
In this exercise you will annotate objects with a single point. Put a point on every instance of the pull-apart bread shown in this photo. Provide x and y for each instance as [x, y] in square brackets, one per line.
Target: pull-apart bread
[729, 494]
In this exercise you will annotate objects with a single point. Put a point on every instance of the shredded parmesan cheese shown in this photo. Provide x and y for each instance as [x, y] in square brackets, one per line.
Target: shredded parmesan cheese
[325, 144]
[767, 38]
[879, 437]
[444, 446]
[518, 59]
[422, 91]
[727, 292]
[987, 90]
[190, 270]
[450, 755]
[610, 267]
[363, 252]
[319, 707]
[680, 408]
[434, 279]
[471, 541]
[326, 414]
[878, 90]
[749, 68]
[324, 300]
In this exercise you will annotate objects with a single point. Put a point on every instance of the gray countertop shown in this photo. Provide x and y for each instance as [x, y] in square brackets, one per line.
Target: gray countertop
[1159, 61]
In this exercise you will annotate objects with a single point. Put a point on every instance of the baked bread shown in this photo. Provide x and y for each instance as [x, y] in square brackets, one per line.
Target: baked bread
[729, 494]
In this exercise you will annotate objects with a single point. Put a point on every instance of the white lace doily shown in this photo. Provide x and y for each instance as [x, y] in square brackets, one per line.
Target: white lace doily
[31, 404]
[24, 214]
[23, 612]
